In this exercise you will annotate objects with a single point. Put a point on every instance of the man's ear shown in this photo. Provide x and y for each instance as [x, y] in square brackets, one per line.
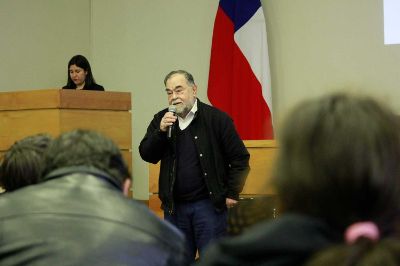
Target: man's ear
[195, 90]
[126, 187]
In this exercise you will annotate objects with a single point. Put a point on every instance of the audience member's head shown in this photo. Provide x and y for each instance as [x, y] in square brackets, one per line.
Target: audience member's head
[23, 163]
[78, 214]
[362, 248]
[339, 160]
[87, 148]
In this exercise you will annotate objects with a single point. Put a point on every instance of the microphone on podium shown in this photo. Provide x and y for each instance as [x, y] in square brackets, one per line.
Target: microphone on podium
[171, 108]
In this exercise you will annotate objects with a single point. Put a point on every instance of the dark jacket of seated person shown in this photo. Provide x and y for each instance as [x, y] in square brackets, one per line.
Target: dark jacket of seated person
[93, 87]
[78, 215]
[288, 240]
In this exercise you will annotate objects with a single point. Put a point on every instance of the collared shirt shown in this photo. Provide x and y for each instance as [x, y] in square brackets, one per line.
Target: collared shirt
[185, 122]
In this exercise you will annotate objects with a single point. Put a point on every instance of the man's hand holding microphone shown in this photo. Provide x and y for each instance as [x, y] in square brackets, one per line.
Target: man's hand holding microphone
[168, 120]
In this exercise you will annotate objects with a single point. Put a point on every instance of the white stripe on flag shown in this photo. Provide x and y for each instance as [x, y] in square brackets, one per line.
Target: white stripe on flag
[252, 41]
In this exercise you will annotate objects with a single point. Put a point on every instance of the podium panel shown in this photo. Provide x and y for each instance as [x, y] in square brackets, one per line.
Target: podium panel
[17, 124]
[54, 111]
[116, 124]
[262, 159]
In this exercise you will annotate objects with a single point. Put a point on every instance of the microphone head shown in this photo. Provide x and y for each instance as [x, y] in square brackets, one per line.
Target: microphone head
[172, 108]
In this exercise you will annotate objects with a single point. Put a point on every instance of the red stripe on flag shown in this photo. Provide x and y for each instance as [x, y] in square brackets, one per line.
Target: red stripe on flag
[221, 62]
[232, 85]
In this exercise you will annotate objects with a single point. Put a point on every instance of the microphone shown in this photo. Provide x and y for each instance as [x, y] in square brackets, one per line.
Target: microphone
[171, 108]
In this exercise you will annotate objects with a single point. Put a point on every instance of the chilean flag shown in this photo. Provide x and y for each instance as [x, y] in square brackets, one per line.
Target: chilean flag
[239, 79]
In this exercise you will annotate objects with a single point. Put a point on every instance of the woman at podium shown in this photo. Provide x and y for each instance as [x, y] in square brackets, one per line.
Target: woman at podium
[80, 75]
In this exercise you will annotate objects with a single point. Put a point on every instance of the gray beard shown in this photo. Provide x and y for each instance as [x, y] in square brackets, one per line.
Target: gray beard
[182, 111]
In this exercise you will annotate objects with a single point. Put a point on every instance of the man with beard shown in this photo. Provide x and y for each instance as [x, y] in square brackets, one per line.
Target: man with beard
[204, 163]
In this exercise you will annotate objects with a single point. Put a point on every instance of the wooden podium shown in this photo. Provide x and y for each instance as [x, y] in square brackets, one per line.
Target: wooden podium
[54, 111]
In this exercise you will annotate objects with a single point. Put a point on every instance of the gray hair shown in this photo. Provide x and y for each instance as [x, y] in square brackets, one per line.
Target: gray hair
[188, 76]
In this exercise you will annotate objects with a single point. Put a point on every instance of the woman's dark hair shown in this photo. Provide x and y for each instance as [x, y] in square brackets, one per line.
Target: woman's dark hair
[23, 163]
[339, 160]
[82, 62]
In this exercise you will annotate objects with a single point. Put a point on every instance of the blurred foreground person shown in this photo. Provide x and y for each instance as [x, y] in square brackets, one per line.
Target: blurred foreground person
[363, 247]
[79, 214]
[23, 162]
[338, 164]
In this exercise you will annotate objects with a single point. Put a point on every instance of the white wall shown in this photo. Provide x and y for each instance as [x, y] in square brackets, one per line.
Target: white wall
[136, 43]
[37, 38]
[319, 46]
[315, 47]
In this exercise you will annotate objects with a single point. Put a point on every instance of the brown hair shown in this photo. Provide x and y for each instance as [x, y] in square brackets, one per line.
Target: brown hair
[339, 160]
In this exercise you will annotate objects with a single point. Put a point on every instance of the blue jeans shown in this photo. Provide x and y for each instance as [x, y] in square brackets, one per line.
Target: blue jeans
[200, 222]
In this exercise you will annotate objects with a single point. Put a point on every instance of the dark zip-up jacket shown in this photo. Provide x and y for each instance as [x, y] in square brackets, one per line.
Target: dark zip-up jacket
[223, 157]
[79, 216]
[289, 240]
